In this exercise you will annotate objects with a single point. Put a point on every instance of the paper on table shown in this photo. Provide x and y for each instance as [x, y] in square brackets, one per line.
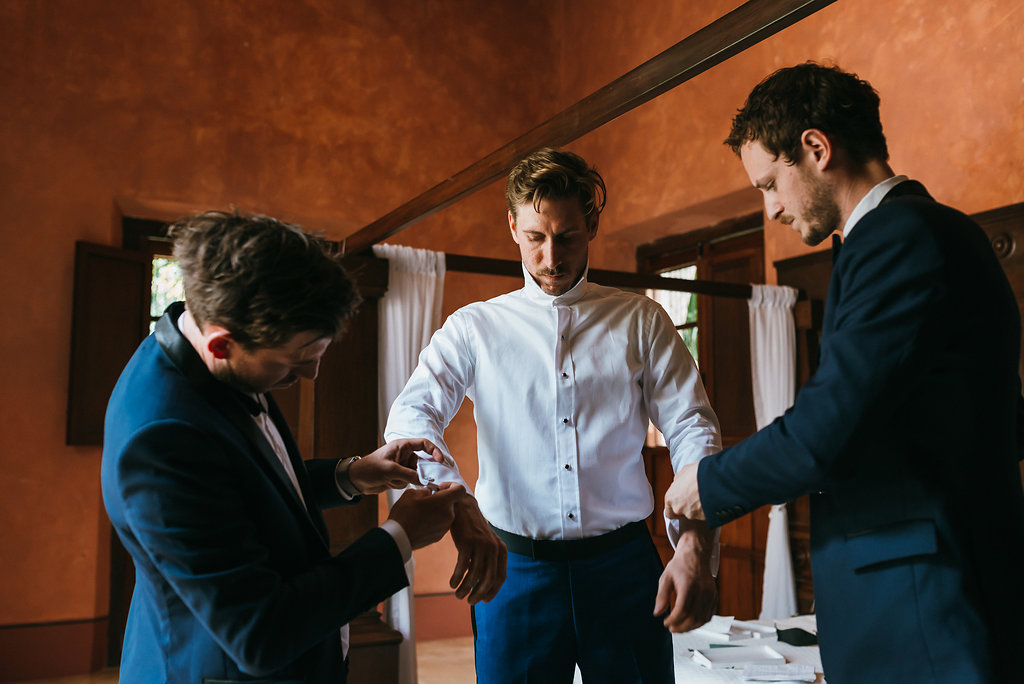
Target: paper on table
[726, 628]
[790, 672]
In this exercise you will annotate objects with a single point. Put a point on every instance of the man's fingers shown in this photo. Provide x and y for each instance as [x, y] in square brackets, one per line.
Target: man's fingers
[435, 454]
[661, 601]
[401, 474]
[678, 608]
[461, 566]
[425, 446]
[496, 577]
[690, 610]
[485, 573]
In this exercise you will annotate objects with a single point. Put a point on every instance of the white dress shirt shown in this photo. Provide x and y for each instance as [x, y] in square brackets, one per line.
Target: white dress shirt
[562, 390]
[870, 201]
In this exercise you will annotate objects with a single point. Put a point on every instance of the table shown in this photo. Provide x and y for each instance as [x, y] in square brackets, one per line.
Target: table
[689, 672]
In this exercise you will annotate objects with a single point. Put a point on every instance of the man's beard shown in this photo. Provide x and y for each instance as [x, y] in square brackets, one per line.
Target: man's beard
[822, 214]
[229, 376]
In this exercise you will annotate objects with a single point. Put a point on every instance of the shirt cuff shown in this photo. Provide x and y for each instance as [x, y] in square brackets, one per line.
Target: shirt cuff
[394, 528]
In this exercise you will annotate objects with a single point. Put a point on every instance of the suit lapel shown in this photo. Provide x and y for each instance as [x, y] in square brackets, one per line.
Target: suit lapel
[301, 474]
[907, 188]
[231, 404]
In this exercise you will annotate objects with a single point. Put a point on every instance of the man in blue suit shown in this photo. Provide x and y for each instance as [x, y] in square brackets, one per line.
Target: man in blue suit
[207, 490]
[907, 437]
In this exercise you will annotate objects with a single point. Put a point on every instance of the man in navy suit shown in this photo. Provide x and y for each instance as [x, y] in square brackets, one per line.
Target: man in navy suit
[206, 488]
[908, 435]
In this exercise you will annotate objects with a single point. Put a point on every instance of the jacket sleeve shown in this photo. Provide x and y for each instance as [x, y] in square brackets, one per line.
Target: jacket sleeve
[245, 571]
[891, 279]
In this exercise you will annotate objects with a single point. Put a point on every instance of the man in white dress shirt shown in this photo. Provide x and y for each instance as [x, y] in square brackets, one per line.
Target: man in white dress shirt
[564, 376]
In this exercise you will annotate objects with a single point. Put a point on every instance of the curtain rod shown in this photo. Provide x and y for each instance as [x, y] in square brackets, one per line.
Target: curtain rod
[640, 281]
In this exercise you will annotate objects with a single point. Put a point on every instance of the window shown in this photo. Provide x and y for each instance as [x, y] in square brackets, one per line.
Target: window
[166, 287]
[681, 307]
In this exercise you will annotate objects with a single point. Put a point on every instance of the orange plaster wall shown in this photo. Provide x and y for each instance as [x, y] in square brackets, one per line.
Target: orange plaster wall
[949, 76]
[335, 113]
[328, 113]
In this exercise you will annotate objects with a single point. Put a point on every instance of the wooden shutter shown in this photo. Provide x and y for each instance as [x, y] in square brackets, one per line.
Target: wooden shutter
[110, 316]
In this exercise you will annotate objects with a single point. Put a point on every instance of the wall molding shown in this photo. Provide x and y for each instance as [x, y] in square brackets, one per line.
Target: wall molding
[52, 649]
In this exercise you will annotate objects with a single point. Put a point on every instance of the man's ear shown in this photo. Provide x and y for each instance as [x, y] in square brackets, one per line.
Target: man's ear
[218, 342]
[592, 226]
[818, 147]
[512, 226]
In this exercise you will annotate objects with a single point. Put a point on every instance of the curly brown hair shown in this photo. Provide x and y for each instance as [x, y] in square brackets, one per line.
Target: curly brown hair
[263, 280]
[791, 100]
[550, 173]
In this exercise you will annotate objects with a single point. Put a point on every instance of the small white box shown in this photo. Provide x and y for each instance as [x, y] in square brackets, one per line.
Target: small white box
[728, 657]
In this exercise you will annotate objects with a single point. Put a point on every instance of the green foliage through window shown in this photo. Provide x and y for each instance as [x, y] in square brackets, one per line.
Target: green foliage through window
[167, 286]
[681, 307]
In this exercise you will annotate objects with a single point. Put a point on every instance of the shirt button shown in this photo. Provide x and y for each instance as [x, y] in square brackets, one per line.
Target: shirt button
[565, 420]
[572, 517]
[565, 375]
[568, 467]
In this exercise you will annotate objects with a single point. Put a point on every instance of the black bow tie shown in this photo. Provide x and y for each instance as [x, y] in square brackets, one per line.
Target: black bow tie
[837, 244]
[254, 406]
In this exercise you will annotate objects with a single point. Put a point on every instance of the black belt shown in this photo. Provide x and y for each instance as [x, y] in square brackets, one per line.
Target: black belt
[571, 549]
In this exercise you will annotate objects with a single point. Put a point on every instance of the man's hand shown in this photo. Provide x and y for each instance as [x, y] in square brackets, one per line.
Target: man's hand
[427, 514]
[682, 500]
[686, 590]
[480, 568]
[393, 466]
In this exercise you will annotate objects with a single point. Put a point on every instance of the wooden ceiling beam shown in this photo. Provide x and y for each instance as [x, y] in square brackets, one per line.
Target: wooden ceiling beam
[729, 35]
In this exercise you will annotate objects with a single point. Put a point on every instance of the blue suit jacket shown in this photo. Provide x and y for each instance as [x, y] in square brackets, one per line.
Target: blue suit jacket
[234, 579]
[907, 438]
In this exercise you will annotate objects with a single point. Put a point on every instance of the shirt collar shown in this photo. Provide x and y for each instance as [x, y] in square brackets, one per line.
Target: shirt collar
[534, 293]
[870, 201]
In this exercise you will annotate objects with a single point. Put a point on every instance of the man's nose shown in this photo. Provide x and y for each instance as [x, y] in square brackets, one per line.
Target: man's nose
[773, 208]
[550, 254]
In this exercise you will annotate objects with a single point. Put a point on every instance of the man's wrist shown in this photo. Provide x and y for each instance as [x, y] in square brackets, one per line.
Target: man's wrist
[397, 532]
[344, 481]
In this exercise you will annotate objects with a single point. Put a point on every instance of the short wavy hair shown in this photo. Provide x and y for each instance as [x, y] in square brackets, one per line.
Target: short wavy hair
[263, 280]
[555, 174]
[791, 100]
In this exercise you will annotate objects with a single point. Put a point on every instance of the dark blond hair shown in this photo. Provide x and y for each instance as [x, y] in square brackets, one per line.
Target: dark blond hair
[555, 174]
[263, 280]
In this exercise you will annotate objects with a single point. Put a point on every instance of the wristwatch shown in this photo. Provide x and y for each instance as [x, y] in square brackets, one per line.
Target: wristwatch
[342, 479]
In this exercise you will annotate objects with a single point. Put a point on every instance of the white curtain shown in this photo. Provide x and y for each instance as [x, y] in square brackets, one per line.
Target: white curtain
[773, 372]
[409, 314]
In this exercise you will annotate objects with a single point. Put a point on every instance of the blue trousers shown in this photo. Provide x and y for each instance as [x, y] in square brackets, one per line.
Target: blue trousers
[595, 611]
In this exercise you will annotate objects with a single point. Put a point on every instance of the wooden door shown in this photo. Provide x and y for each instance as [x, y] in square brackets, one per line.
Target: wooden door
[724, 361]
[725, 350]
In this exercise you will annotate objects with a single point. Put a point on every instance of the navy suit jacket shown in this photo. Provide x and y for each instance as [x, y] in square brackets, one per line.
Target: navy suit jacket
[233, 575]
[907, 439]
